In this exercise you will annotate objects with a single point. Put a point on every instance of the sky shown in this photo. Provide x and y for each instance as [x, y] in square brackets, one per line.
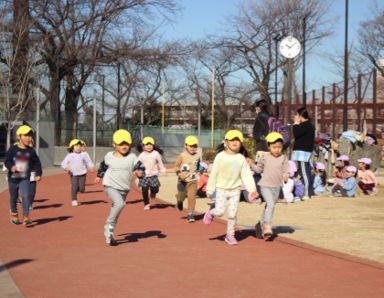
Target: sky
[201, 17]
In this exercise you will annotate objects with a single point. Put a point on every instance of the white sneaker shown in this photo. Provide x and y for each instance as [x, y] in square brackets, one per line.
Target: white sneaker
[108, 233]
[75, 203]
[147, 207]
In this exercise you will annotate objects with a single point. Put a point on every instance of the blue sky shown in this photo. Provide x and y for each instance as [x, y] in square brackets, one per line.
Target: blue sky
[201, 17]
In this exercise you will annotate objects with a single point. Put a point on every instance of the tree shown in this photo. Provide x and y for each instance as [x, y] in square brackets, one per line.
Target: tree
[371, 34]
[18, 65]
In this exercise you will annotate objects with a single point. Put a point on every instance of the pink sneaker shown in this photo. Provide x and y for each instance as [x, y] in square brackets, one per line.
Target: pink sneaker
[208, 217]
[230, 239]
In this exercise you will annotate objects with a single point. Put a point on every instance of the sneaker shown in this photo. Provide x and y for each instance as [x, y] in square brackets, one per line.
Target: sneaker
[259, 231]
[179, 206]
[108, 233]
[190, 218]
[147, 207]
[208, 217]
[26, 220]
[75, 203]
[230, 239]
[267, 232]
[14, 218]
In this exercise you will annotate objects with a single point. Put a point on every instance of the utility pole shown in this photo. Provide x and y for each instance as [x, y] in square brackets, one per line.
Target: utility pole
[345, 104]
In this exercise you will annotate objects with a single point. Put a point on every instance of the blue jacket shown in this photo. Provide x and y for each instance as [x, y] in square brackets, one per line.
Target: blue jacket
[318, 186]
[349, 184]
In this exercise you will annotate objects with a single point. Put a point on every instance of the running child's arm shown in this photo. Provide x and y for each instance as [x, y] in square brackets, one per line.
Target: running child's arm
[36, 165]
[247, 178]
[180, 174]
[65, 163]
[89, 162]
[9, 162]
[259, 167]
[160, 163]
[211, 184]
[102, 169]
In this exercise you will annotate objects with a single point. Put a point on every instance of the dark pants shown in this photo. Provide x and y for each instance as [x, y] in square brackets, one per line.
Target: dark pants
[77, 185]
[338, 188]
[305, 172]
[32, 192]
[366, 187]
[201, 193]
[145, 192]
[22, 187]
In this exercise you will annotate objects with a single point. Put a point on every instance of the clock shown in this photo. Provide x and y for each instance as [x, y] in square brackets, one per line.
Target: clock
[289, 47]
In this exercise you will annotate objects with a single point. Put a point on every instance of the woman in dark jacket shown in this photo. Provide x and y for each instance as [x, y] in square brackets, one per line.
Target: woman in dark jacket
[304, 134]
[261, 128]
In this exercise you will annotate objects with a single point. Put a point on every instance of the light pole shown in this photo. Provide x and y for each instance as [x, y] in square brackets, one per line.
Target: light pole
[276, 38]
[118, 116]
[142, 118]
[345, 104]
[304, 78]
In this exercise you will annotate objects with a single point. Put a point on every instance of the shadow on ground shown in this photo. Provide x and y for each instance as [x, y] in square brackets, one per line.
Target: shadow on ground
[15, 263]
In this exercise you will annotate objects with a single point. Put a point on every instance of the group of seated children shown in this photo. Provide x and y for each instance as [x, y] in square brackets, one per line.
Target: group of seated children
[346, 178]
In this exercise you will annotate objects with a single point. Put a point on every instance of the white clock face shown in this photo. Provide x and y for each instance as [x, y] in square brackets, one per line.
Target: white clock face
[289, 47]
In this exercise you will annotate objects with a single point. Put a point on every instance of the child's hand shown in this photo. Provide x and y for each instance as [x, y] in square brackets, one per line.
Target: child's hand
[97, 180]
[183, 176]
[285, 178]
[13, 169]
[92, 170]
[253, 196]
[37, 178]
[138, 173]
[250, 162]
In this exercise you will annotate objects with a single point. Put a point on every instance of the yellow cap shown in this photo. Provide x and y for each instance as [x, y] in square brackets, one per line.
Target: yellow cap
[82, 143]
[191, 140]
[148, 140]
[122, 135]
[273, 137]
[74, 142]
[233, 134]
[23, 130]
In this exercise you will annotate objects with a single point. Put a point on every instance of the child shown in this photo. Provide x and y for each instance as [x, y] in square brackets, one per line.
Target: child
[203, 180]
[367, 179]
[288, 187]
[298, 188]
[347, 186]
[230, 169]
[186, 170]
[275, 168]
[76, 163]
[117, 171]
[20, 159]
[150, 158]
[341, 163]
[320, 179]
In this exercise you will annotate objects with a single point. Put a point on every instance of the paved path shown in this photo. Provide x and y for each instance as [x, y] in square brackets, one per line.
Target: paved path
[63, 254]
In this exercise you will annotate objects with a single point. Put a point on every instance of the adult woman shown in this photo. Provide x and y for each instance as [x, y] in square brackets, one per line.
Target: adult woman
[304, 134]
[261, 128]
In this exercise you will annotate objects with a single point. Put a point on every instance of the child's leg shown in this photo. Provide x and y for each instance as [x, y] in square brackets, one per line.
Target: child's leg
[233, 203]
[25, 195]
[74, 187]
[220, 204]
[154, 191]
[118, 204]
[81, 183]
[191, 189]
[144, 191]
[13, 196]
[270, 195]
[181, 195]
[32, 193]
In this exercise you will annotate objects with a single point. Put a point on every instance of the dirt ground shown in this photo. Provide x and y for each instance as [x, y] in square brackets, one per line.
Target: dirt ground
[349, 225]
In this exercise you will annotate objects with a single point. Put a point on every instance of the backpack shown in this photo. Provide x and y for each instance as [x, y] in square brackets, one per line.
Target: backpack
[276, 125]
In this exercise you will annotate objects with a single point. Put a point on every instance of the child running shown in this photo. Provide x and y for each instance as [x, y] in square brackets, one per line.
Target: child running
[20, 159]
[76, 164]
[275, 168]
[117, 171]
[186, 167]
[150, 158]
[367, 179]
[229, 170]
